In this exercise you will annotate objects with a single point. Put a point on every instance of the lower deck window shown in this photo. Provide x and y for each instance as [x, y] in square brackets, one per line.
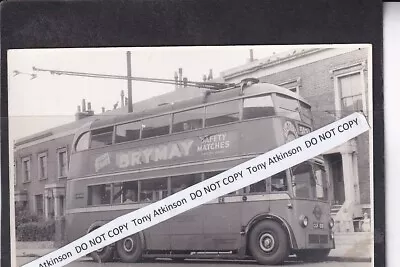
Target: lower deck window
[99, 194]
[153, 189]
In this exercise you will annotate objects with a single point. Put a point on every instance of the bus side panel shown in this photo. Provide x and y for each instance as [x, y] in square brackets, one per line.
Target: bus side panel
[187, 230]
[222, 225]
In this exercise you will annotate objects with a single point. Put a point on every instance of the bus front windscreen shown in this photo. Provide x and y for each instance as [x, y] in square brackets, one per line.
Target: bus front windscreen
[309, 181]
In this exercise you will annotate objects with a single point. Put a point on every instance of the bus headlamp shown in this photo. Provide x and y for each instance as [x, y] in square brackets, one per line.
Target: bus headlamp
[303, 221]
[331, 223]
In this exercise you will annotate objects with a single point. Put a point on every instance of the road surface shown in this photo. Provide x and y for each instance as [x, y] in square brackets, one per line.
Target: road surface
[86, 262]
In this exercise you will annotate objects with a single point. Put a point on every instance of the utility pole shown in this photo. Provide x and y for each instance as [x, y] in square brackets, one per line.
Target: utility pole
[129, 75]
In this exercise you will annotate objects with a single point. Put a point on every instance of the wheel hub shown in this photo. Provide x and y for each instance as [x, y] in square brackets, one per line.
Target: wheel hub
[267, 242]
[129, 244]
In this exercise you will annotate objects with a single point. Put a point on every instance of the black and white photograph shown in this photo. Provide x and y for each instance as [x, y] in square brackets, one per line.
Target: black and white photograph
[95, 133]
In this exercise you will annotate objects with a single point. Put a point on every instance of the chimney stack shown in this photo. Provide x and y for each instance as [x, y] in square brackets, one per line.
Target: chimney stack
[176, 79]
[204, 78]
[251, 55]
[83, 105]
[122, 98]
[103, 109]
[180, 77]
[210, 75]
[80, 114]
[126, 101]
[185, 80]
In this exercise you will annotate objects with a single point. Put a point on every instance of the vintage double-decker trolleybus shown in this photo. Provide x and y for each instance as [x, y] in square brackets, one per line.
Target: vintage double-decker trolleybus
[121, 164]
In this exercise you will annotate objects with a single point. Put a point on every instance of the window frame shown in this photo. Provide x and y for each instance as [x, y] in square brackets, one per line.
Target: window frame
[39, 174]
[140, 122]
[340, 72]
[23, 160]
[239, 101]
[102, 128]
[293, 84]
[59, 151]
[170, 115]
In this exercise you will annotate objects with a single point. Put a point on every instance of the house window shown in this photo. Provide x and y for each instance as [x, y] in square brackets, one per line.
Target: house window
[39, 204]
[42, 166]
[350, 89]
[62, 162]
[26, 166]
[15, 172]
[292, 85]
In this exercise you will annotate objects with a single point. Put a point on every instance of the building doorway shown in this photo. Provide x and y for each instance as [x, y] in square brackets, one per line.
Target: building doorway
[336, 167]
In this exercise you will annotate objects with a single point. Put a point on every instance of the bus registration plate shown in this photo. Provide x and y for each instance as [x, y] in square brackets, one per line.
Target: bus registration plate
[318, 225]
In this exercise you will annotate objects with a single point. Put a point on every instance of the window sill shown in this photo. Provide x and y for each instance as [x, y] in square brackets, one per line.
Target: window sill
[43, 179]
[26, 182]
[62, 177]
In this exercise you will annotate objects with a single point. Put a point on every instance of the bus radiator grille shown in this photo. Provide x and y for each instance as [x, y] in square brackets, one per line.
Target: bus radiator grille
[317, 239]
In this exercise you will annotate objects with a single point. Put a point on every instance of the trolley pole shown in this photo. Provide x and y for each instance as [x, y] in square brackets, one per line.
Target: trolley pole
[129, 69]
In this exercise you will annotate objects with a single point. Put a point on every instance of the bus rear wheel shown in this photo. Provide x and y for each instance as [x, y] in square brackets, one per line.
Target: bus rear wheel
[105, 254]
[130, 249]
[314, 255]
[268, 243]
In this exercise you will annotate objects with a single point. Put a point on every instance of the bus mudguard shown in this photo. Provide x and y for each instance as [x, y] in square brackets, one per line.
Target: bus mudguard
[98, 224]
[280, 220]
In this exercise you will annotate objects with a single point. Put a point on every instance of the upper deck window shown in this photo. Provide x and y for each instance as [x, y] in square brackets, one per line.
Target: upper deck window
[288, 107]
[83, 142]
[188, 120]
[258, 107]
[156, 126]
[127, 132]
[101, 137]
[222, 113]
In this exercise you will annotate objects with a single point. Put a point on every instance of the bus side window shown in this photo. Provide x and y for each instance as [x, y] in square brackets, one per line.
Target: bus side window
[279, 182]
[222, 113]
[258, 107]
[182, 182]
[156, 126]
[259, 187]
[101, 137]
[153, 189]
[99, 195]
[127, 132]
[83, 142]
[188, 120]
[126, 192]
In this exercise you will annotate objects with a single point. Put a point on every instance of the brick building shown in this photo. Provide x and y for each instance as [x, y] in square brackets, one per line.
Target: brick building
[334, 81]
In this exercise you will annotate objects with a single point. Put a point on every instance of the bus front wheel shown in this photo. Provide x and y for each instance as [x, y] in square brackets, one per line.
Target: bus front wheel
[130, 249]
[268, 243]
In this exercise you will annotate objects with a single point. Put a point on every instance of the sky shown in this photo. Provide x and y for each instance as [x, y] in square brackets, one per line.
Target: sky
[51, 100]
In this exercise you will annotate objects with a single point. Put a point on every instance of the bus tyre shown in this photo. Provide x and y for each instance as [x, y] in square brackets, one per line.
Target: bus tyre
[105, 254]
[268, 243]
[315, 255]
[130, 249]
